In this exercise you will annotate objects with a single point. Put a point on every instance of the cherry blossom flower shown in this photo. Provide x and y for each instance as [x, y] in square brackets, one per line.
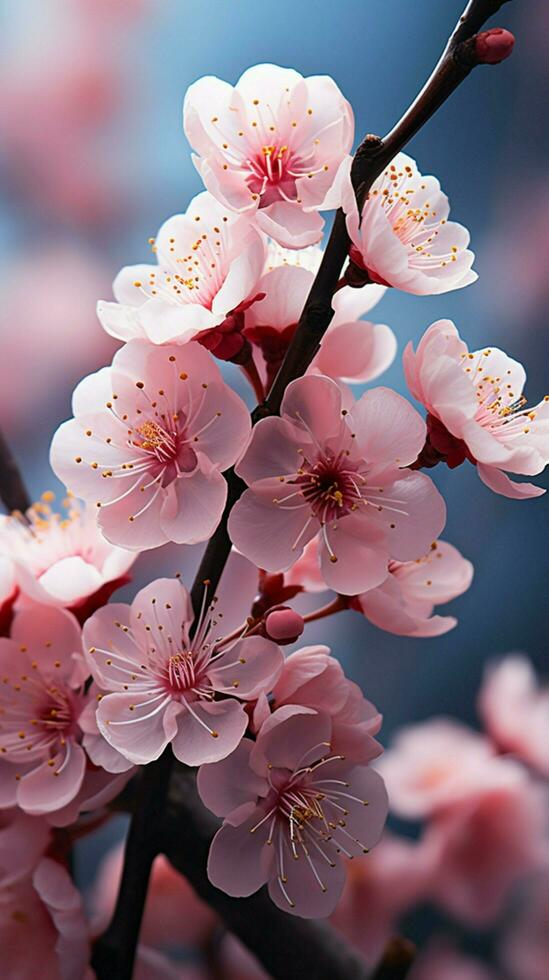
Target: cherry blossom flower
[313, 678]
[208, 264]
[174, 915]
[63, 559]
[487, 842]
[42, 922]
[270, 146]
[320, 470]
[434, 765]
[404, 602]
[44, 767]
[476, 402]
[292, 805]
[148, 441]
[354, 350]
[161, 684]
[515, 711]
[403, 237]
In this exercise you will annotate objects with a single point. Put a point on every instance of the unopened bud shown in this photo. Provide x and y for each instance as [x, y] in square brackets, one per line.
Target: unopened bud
[493, 46]
[284, 625]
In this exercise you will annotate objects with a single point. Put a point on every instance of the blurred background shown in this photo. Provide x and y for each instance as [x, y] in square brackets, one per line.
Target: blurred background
[93, 159]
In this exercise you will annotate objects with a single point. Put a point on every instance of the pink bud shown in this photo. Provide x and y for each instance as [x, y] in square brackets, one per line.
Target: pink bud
[494, 45]
[284, 625]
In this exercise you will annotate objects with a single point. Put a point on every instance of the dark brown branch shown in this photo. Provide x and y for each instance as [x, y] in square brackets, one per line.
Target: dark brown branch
[13, 492]
[372, 156]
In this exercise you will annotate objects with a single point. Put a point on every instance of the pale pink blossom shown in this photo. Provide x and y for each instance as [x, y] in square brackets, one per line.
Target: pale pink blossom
[477, 409]
[323, 470]
[434, 765]
[43, 767]
[377, 892]
[161, 685]
[150, 437]
[174, 915]
[209, 261]
[403, 237]
[292, 806]
[405, 601]
[61, 558]
[353, 350]
[43, 931]
[486, 843]
[515, 711]
[271, 146]
[313, 678]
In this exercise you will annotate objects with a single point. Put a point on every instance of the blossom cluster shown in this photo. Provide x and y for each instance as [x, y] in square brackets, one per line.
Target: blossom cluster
[334, 498]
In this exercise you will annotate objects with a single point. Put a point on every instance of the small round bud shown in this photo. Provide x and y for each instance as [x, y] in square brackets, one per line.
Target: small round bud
[493, 46]
[284, 625]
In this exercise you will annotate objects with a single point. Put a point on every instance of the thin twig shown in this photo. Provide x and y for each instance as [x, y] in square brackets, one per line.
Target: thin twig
[13, 492]
[370, 159]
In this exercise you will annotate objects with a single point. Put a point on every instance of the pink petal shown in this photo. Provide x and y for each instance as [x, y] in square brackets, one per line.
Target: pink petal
[200, 499]
[356, 352]
[500, 483]
[208, 731]
[247, 669]
[307, 896]
[389, 431]
[237, 862]
[270, 537]
[51, 637]
[228, 426]
[272, 451]
[138, 725]
[289, 225]
[109, 648]
[361, 555]
[226, 785]
[293, 735]
[48, 788]
[414, 520]
[314, 405]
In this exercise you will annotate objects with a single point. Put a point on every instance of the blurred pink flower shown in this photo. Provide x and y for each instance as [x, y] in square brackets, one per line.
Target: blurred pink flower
[525, 945]
[174, 915]
[434, 765]
[62, 559]
[23, 841]
[292, 804]
[404, 602]
[270, 146]
[404, 238]
[61, 309]
[440, 961]
[149, 440]
[515, 711]
[209, 264]
[477, 397]
[378, 891]
[42, 927]
[321, 470]
[487, 843]
[161, 684]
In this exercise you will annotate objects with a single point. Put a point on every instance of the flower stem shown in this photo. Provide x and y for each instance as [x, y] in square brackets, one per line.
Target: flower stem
[337, 605]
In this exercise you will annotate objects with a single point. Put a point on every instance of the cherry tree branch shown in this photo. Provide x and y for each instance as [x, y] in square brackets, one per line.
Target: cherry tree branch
[115, 950]
[13, 492]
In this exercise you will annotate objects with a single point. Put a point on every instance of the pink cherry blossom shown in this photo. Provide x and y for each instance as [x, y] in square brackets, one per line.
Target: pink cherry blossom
[209, 261]
[61, 558]
[434, 765]
[174, 915]
[150, 437]
[477, 402]
[486, 843]
[270, 146]
[44, 768]
[404, 238]
[404, 602]
[313, 678]
[515, 711]
[352, 350]
[292, 805]
[161, 684]
[43, 931]
[321, 470]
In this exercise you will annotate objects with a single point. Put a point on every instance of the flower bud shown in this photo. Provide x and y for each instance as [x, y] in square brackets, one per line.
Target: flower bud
[284, 625]
[493, 46]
